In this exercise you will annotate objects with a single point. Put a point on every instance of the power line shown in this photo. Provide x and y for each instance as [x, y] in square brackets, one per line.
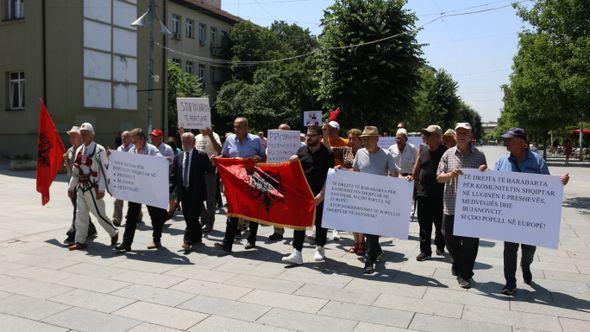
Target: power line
[258, 62]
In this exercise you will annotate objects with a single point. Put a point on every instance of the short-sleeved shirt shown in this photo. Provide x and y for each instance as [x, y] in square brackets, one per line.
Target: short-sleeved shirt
[251, 146]
[429, 160]
[453, 159]
[405, 160]
[203, 143]
[148, 149]
[315, 166]
[378, 163]
[532, 163]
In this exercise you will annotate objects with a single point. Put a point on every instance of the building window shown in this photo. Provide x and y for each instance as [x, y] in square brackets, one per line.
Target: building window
[202, 34]
[212, 75]
[15, 9]
[202, 74]
[16, 84]
[189, 67]
[213, 36]
[176, 26]
[190, 28]
[177, 62]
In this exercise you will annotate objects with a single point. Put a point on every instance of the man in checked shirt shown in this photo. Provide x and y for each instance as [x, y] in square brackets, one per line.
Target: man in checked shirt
[463, 250]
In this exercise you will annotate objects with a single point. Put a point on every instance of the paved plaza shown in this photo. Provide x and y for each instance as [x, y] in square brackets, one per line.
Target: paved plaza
[43, 287]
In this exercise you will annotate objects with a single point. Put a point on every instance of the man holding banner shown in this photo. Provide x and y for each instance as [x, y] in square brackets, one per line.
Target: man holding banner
[520, 159]
[241, 145]
[373, 160]
[463, 250]
[316, 160]
[209, 142]
[157, 215]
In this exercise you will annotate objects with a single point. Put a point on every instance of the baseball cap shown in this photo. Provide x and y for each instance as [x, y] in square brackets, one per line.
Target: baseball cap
[515, 133]
[334, 124]
[432, 129]
[87, 127]
[464, 125]
[157, 132]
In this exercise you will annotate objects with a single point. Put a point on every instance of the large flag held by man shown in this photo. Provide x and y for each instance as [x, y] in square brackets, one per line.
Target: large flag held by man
[50, 150]
[268, 193]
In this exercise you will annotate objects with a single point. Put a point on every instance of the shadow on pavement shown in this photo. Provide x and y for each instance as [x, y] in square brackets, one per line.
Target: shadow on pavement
[578, 203]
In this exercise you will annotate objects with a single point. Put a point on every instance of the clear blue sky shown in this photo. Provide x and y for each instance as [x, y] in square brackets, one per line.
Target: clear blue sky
[476, 49]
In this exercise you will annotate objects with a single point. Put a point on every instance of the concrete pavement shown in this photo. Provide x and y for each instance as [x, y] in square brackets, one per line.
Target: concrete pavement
[45, 287]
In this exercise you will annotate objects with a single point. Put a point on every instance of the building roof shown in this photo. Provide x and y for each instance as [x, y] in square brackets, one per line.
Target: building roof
[210, 10]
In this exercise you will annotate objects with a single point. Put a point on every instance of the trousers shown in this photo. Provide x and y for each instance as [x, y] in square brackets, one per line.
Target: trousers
[87, 203]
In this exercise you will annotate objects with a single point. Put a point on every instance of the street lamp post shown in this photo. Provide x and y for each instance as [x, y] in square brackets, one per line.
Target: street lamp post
[147, 20]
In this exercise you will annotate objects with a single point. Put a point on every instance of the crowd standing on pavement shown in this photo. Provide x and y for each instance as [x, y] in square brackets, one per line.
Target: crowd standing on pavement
[194, 187]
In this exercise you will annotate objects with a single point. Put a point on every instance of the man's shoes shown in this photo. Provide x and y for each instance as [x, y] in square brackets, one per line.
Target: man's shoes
[294, 259]
[122, 248]
[77, 246]
[335, 235]
[115, 239]
[369, 268]
[440, 252]
[186, 247]
[509, 290]
[154, 245]
[422, 257]
[275, 237]
[527, 276]
[320, 254]
[70, 240]
[249, 245]
[225, 250]
[463, 283]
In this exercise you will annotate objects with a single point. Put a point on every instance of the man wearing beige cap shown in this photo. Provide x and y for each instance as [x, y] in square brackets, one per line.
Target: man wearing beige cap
[88, 185]
[69, 159]
[373, 160]
[463, 250]
[429, 193]
[448, 139]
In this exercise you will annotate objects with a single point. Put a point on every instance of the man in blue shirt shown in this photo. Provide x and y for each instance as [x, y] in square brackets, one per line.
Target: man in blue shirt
[520, 159]
[241, 145]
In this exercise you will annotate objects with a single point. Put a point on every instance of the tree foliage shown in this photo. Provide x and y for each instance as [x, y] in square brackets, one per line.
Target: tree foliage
[550, 84]
[270, 93]
[373, 84]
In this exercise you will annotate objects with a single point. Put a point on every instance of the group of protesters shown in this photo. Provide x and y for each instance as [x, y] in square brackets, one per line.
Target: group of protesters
[434, 166]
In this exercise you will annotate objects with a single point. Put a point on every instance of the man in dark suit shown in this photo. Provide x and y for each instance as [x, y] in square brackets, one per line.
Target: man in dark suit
[188, 179]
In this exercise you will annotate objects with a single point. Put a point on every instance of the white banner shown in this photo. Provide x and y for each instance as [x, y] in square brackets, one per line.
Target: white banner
[282, 144]
[193, 113]
[509, 206]
[312, 118]
[367, 203]
[386, 142]
[139, 178]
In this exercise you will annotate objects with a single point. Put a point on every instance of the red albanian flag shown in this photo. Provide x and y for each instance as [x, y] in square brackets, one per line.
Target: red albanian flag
[268, 193]
[50, 150]
[334, 114]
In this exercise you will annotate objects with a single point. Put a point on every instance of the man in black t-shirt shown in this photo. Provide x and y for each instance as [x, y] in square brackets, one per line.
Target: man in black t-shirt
[430, 192]
[316, 160]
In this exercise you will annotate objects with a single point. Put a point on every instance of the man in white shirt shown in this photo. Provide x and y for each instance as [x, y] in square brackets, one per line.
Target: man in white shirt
[209, 142]
[404, 153]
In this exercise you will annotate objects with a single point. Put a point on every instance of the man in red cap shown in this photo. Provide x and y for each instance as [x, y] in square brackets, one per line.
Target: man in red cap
[157, 136]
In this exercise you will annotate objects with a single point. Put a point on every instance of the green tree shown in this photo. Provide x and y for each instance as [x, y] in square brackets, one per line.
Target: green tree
[180, 84]
[549, 86]
[270, 93]
[373, 84]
